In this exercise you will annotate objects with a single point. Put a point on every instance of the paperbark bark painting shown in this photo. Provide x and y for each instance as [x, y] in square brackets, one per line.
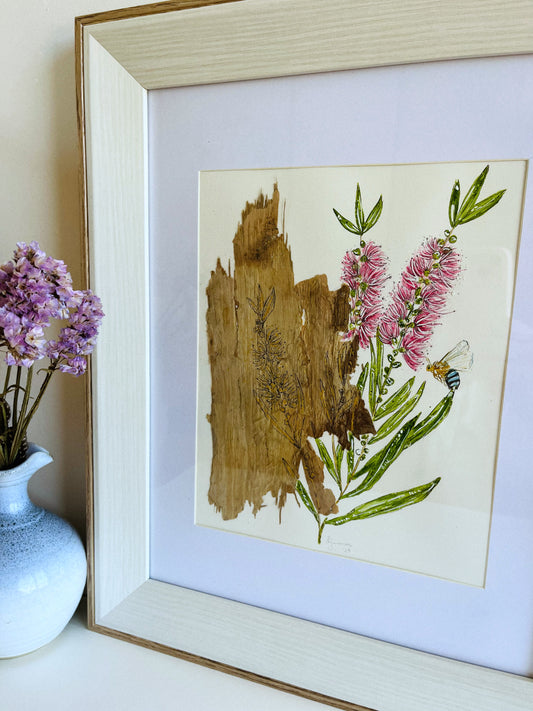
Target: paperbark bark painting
[273, 353]
[331, 399]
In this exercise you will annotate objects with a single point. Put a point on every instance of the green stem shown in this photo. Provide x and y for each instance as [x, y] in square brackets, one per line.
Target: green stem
[27, 395]
[19, 425]
[320, 529]
[25, 419]
[51, 370]
[6, 381]
[386, 374]
[16, 396]
[360, 458]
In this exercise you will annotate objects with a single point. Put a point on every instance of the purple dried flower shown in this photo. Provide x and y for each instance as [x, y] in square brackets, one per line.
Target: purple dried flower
[78, 338]
[34, 290]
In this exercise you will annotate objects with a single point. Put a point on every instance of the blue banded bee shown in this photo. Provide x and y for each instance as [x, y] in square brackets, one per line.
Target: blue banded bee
[447, 369]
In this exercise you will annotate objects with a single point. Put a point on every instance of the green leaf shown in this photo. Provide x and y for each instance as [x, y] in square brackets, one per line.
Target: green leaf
[376, 373]
[381, 461]
[328, 461]
[472, 195]
[379, 362]
[433, 420]
[454, 203]
[389, 425]
[306, 499]
[372, 380]
[395, 400]
[361, 382]
[374, 216]
[359, 214]
[386, 504]
[350, 458]
[346, 223]
[482, 207]
[339, 456]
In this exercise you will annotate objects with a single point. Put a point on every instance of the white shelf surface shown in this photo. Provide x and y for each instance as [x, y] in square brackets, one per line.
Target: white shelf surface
[86, 671]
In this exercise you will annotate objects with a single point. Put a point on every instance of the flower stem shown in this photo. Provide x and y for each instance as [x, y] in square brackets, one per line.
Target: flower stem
[25, 415]
[6, 381]
[320, 529]
[360, 458]
[386, 374]
[16, 396]
[19, 425]
[41, 392]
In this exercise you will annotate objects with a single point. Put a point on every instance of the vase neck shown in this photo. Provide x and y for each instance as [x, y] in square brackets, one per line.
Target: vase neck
[14, 499]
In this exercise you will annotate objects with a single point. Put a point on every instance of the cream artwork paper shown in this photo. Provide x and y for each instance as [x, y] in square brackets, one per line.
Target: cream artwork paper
[353, 332]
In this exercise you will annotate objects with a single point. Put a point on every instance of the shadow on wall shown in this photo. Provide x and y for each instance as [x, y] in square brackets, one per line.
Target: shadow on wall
[60, 424]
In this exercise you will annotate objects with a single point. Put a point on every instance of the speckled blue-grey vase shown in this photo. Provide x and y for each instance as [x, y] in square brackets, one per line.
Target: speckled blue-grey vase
[42, 564]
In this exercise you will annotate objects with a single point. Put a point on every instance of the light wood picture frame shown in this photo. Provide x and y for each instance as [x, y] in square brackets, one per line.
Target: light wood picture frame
[120, 57]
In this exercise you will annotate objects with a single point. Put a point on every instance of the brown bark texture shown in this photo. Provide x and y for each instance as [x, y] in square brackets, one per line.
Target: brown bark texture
[279, 371]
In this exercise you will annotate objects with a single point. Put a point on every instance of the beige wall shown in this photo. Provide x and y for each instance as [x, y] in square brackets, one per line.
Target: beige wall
[39, 201]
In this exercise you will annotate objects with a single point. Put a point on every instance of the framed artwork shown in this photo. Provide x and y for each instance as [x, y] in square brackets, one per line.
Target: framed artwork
[317, 388]
[314, 313]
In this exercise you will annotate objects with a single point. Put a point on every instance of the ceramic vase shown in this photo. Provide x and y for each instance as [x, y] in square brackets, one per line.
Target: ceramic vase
[42, 564]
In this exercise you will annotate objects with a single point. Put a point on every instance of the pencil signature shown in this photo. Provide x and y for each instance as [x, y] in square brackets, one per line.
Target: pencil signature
[338, 547]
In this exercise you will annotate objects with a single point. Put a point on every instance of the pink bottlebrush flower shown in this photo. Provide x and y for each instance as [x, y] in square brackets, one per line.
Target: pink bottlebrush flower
[419, 300]
[364, 272]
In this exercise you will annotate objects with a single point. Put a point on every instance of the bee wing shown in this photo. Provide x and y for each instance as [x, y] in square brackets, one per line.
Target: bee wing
[460, 357]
